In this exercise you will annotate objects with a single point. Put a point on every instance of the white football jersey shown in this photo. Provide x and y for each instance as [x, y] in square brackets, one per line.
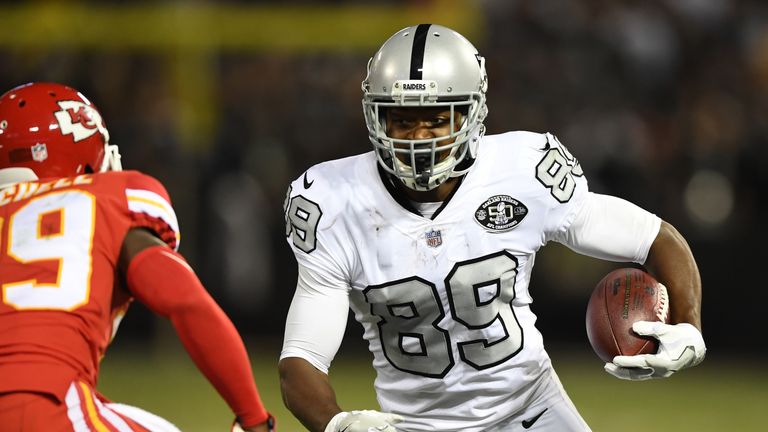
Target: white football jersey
[444, 301]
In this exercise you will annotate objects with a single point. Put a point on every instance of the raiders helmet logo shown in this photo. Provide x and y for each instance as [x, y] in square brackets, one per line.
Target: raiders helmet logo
[78, 119]
[500, 213]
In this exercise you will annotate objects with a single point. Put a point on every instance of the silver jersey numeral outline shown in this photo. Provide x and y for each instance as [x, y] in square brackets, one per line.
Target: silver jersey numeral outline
[301, 219]
[410, 309]
[557, 169]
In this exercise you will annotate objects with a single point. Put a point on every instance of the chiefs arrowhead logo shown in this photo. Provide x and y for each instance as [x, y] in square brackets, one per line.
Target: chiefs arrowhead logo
[78, 119]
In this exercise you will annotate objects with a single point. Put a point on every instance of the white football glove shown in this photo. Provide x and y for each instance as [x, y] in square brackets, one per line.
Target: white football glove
[680, 346]
[363, 421]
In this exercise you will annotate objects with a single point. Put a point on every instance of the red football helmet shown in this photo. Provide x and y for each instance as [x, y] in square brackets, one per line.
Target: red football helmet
[54, 130]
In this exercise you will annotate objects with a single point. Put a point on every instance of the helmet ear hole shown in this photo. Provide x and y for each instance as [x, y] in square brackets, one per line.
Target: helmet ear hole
[22, 102]
[88, 169]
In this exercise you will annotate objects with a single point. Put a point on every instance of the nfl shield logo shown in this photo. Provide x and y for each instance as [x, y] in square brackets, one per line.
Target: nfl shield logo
[434, 238]
[39, 152]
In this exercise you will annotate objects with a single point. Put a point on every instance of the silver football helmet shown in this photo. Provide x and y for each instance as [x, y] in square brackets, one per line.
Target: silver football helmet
[426, 66]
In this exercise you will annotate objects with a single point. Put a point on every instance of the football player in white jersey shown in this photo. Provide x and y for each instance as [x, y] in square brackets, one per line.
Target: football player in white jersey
[431, 238]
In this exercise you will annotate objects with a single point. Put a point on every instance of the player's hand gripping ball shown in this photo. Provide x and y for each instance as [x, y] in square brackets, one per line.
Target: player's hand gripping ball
[621, 298]
[363, 421]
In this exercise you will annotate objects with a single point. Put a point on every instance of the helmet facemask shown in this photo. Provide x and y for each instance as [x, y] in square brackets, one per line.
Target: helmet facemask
[112, 160]
[452, 77]
[424, 164]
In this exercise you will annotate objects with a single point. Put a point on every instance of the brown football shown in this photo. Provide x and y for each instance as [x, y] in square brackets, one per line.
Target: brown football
[621, 298]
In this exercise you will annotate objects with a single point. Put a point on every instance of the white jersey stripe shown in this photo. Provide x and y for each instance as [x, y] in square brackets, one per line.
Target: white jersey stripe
[105, 416]
[144, 418]
[89, 406]
[75, 410]
[113, 418]
[144, 201]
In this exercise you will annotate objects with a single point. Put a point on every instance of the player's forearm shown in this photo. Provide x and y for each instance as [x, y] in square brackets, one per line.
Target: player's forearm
[671, 261]
[161, 280]
[307, 393]
[215, 346]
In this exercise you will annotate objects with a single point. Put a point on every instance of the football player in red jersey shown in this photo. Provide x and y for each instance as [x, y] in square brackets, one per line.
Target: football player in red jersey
[79, 240]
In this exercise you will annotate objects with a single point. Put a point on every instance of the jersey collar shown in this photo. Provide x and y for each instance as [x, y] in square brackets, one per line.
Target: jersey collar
[401, 198]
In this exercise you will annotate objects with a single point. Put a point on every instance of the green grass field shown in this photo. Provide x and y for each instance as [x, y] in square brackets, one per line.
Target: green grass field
[715, 396]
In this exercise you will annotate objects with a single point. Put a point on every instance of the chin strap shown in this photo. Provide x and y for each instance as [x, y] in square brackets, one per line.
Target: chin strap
[112, 159]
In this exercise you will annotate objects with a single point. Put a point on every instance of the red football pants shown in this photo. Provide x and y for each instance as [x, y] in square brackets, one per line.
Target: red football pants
[81, 411]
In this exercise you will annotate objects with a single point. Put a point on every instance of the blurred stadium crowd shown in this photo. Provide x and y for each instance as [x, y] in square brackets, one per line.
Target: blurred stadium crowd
[665, 103]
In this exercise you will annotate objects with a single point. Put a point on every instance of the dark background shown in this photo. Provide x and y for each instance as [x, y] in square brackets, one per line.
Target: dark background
[663, 102]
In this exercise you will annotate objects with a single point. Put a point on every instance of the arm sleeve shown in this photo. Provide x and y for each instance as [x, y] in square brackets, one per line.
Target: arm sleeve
[162, 280]
[612, 229]
[316, 319]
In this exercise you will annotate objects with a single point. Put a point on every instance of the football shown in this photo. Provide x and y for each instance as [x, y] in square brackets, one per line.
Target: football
[621, 298]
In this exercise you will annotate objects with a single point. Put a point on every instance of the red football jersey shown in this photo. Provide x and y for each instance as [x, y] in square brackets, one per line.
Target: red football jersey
[60, 240]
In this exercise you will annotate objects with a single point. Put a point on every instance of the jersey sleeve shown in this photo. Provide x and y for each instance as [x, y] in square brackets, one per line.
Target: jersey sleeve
[565, 186]
[316, 321]
[315, 232]
[150, 207]
[595, 225]
[612, 229]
